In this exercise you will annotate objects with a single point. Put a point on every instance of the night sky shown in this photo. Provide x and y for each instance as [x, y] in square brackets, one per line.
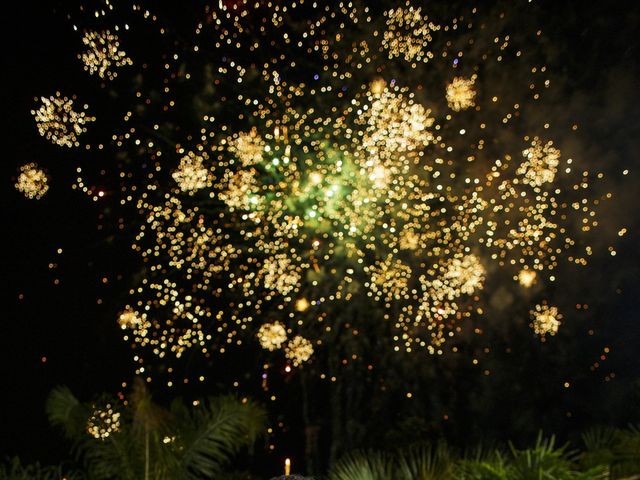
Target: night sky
[58, 323]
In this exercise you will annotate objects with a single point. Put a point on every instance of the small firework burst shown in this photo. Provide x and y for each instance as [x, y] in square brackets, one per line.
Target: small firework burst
[58, 122]
[32, 181]
[461, 93]
[240, 187]
[248, 147]
[545, 320]
[103, 422]
[280, 274]
[390, 279]
[299, 350]
[191, 174]
[272, 335]
[527, 277]
[540, 163]
[464, 275]
[130, 319]
[408, 34]
[103, 54]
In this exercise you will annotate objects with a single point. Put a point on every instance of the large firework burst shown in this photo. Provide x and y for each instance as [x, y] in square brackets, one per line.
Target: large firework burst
[375, 159]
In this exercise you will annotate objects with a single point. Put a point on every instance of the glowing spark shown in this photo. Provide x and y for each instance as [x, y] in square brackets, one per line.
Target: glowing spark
[527, 278]
[302, 304]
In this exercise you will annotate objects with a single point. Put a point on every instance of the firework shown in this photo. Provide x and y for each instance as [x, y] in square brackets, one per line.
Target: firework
[32, 181]
[545, 320]
[461, 93]
[408, 34]
[325, 173]
[248, 147]
[103, 54]
[58, 122]
[103, 422]
[540, 163]
[299, 350]
[272, 335]
[191, 174]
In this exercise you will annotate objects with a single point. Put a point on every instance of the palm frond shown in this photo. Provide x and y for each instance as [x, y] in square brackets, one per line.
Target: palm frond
[425, 462]
[483, 464]
[363, 466]
[212, 433]
[64, 410]
[599, 438]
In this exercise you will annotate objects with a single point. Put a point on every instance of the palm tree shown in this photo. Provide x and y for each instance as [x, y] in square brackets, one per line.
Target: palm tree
[544, 461]
[141, 440]
[618, 449]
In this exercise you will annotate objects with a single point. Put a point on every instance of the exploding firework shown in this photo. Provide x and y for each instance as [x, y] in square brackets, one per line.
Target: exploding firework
[58, 122]
[299, 350]
[545, 320]
[191, 174]
[272, 336]
[32, 181]
[103, 422]
[103, 54]
[461, 94]
[326, 170]
[408, 34]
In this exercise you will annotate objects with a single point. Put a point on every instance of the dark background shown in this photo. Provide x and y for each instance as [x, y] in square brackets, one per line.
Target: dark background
[57, 323]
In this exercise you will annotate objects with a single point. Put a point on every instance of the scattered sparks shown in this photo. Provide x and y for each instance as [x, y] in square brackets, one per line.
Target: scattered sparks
[408, 34]
[248, 147]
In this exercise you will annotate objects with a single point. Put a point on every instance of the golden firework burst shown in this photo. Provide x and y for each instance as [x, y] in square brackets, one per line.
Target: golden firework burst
[32, 181]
